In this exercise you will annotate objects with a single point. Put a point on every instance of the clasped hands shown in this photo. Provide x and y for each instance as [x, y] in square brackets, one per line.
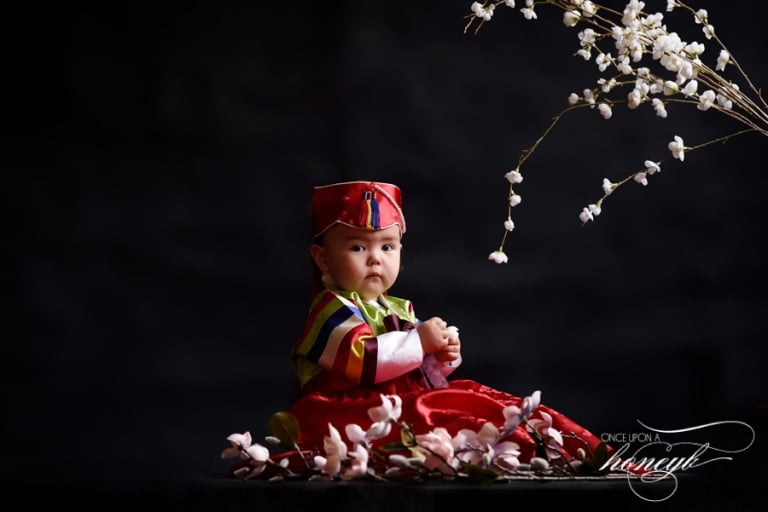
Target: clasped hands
[440, 339]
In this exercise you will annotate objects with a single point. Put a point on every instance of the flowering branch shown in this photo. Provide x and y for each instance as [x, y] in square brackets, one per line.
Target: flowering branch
[480, 456]
[257, 457]
[654, 64]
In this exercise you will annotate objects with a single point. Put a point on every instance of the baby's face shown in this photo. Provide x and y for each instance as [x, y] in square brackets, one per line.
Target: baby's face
[367, 262]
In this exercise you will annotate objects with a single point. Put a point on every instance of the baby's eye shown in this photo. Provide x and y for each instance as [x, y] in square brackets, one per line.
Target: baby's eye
[357, 248]
[387, 247]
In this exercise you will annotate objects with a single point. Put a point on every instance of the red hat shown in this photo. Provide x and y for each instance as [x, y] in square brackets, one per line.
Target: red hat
[361, 204]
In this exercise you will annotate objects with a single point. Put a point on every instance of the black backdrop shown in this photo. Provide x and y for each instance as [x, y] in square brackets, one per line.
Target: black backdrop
[159, 160]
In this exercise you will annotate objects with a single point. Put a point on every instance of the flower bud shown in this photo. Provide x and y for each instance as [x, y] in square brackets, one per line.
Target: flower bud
[539, 464]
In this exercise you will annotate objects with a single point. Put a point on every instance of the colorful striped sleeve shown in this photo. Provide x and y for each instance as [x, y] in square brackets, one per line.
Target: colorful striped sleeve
[338, 339]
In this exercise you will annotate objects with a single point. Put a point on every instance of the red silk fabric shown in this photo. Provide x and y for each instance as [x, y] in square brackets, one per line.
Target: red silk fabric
[463, 404]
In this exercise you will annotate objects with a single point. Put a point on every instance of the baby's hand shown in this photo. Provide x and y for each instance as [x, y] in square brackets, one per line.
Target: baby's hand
[434, 335]
[452, 350]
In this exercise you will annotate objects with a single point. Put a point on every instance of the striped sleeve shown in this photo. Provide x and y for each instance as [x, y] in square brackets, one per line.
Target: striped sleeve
[338, 339]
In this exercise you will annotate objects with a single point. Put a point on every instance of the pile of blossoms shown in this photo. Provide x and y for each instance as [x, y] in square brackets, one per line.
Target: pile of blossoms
[482, 456]
[641, 62]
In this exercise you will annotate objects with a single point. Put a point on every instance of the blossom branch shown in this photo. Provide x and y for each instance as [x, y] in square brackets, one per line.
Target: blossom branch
[675, 74]
[481, 456]
[609, 187]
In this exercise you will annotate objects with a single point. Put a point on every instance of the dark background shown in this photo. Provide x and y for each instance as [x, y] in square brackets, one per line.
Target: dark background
[159, 160]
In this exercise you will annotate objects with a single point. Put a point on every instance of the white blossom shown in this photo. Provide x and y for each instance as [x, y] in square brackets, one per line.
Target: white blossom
[359, 463]
[571, 18]
[586, 37]
[355, 433]
[701, 17]
[690, 88]
[498, 257]
[694, 49]
[677, 147]
[658, 106]
[723, 97]
[706, 99]
[657, 87]
[634, 98]
[509, 225]
[631, 10]
[514, 176]
[606, 85]
[670, 88]
[605, 110]
[722, 60]
[484, 13]
[603, 61]
[624, 66]
[529, 13]
[651, 167]
[685, 71]
[237, 443]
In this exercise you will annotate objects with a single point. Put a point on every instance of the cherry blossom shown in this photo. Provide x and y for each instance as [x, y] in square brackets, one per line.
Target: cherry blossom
[636, 50]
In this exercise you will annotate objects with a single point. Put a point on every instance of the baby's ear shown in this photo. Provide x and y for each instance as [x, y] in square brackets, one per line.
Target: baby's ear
[319, 256]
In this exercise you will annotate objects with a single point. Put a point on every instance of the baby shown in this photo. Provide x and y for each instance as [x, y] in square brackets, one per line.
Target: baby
[359, 342]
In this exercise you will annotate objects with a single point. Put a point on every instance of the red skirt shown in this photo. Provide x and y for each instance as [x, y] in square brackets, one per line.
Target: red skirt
[464, 404]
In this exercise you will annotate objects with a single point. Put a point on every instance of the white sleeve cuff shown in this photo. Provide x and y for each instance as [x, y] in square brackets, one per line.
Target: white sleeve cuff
[398, 353]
